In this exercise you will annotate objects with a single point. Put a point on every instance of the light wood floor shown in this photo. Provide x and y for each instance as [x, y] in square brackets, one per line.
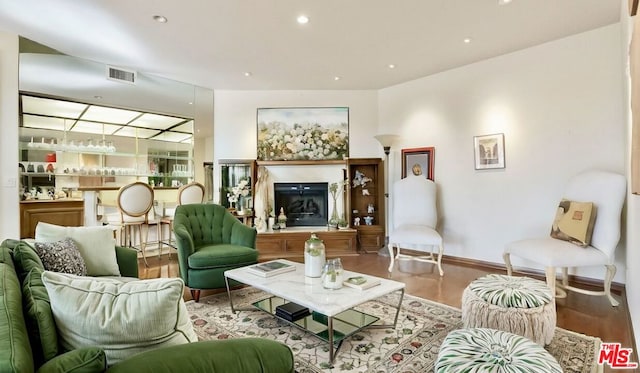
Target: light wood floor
[580, 313]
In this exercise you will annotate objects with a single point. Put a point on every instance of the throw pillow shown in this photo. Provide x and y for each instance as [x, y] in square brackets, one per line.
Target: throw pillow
[25, 259]
[39, 319]
[123, 318]
[61, 256]
[96, 245]
[574, 222]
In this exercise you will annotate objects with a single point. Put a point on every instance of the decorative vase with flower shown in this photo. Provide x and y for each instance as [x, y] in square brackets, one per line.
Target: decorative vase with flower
[238, 192]
[314, 256]
[332, 274]
[335, 189]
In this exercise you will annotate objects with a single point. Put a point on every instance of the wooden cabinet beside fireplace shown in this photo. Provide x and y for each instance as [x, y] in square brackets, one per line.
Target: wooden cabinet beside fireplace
[289, 243]
[367, 201]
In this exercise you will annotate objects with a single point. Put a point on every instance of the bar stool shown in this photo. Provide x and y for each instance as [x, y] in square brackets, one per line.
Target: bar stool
[187, 194]
[134, 202]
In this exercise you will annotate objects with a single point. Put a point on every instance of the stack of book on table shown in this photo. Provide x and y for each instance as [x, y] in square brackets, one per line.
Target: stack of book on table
[271, 268]
[291, 311]
[361, 282]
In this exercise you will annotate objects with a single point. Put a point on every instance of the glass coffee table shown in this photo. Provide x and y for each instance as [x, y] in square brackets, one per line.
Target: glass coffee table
[332, 315]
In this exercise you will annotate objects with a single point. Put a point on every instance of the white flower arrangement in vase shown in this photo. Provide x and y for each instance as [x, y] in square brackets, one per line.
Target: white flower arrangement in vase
[240, 190]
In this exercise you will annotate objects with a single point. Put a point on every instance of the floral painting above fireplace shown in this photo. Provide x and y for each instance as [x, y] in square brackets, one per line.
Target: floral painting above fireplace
[287, 134]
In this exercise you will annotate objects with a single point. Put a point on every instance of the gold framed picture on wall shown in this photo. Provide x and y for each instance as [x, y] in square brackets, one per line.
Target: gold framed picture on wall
[418, 161]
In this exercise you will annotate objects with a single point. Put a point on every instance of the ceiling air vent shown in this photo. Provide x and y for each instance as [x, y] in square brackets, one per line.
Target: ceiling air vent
[121, 75]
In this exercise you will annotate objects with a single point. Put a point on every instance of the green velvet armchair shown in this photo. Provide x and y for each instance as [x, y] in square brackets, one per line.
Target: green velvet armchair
[210, 240]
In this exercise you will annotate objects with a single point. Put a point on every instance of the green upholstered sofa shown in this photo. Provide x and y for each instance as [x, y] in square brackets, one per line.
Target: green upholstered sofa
[210, 240]
[26, 347]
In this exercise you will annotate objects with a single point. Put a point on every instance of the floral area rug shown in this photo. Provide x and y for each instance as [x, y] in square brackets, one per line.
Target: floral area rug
[412, 346]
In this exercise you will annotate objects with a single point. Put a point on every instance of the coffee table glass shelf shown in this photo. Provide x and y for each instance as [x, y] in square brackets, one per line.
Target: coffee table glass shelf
[345, 323]
[333, 317]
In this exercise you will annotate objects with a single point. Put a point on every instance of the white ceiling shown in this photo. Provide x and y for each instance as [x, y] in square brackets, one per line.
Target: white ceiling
[212, 43]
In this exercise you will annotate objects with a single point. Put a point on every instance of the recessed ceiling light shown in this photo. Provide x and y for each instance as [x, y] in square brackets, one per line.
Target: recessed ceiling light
[336, 78]
[190, 103]
[392, 66]
[98, 97]
[503, 2]
[161, 19]
[247, 73]
[467, 40]
[302, 19]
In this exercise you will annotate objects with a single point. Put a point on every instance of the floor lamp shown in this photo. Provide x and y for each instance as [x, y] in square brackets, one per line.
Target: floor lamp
[386, 141]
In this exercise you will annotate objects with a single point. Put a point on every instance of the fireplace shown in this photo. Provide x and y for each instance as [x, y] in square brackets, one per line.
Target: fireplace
[305, 204]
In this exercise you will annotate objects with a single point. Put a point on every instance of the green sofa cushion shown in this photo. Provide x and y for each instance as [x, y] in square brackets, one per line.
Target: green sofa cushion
[39, 318]
[226, 356]
[222, 255]
[15, 350]
[25, 259]
[81, 360]
[5, 256]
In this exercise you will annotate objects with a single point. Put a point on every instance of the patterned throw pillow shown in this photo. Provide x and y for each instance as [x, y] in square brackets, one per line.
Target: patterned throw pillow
[574, 222]
[61, 256]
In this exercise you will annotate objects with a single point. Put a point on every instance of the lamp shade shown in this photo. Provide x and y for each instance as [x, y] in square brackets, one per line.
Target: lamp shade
[386, 140]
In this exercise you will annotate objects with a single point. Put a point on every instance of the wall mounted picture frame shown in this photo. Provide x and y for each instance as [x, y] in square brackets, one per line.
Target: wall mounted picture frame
[313, 133]
[489, 151]
[418, 161]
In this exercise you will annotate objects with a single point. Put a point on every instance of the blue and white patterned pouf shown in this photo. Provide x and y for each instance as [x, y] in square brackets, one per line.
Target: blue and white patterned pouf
[519, 305]
[489, 350]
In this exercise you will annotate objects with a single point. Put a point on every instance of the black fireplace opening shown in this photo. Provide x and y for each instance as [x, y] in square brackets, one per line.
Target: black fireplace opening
[305, 204]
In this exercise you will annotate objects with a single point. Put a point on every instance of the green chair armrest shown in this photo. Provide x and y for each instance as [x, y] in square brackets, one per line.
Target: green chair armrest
[228, 356]
[127, 261]
[243, 235]
[81, 360]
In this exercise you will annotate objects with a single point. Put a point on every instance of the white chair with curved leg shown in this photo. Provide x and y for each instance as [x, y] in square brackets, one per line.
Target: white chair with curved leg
[414, 221]
[187, 194]
[607, 191]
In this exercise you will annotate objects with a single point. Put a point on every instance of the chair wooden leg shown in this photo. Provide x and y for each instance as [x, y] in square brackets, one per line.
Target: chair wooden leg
[507, 262]
[551, 280]
[611, 272]
[440, 251]
[159, 236]
[391, 256]
[143, 245]
[195, 294]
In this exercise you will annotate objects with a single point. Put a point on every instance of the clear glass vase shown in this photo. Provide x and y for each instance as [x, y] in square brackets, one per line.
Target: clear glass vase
[333, 221]
[332, 274]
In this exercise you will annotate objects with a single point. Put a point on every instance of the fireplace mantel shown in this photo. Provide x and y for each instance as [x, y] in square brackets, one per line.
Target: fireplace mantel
[309, 162]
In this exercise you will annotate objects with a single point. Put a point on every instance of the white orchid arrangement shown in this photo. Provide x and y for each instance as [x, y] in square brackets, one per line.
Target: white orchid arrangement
[242, 189]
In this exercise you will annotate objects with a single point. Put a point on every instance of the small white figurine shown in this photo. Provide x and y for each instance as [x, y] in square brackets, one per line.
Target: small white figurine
[360, 179]
[365, 192]
[356, 221]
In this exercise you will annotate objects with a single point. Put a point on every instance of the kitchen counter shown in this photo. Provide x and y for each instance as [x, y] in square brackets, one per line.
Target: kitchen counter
[66, 211]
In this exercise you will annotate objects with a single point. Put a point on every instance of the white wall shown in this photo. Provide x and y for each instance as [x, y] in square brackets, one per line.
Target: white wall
[633, 201]
[559, 107]
[9, 201]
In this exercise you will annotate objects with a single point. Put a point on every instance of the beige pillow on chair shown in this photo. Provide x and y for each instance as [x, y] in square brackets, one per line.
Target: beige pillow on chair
[574, 222]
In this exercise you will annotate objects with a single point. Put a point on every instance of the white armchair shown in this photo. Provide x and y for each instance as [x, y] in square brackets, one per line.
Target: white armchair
[607, 191]
[414, 221]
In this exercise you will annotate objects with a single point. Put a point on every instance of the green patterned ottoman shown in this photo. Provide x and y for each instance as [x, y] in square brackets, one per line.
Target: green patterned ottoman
[519, 305]
[490, 350]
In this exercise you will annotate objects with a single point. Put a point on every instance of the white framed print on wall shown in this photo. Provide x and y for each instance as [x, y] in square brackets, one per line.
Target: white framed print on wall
[489, 151]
